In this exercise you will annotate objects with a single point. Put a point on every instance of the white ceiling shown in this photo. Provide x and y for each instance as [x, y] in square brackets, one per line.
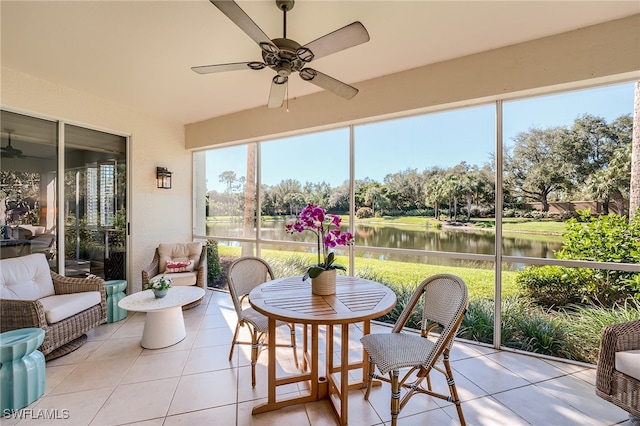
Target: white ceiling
[139, 53]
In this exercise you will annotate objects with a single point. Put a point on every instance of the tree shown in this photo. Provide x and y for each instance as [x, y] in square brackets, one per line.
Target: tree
[590, 145]
[280, 191]
[233, 183]
[316, 193]
[634, 196]
[613, 180]
[434, 189]
[339, 199]
[295, 201]
[249, 213]
[405, 189]
[538, 165]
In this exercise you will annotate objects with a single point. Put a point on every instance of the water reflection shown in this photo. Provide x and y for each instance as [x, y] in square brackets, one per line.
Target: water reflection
[450, 240]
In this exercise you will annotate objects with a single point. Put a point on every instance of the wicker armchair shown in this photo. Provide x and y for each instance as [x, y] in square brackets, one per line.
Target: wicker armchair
[612, 385]
[193, 251]
[60, 337]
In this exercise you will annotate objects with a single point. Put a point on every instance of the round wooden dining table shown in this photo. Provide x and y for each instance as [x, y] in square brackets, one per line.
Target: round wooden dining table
[290, 299]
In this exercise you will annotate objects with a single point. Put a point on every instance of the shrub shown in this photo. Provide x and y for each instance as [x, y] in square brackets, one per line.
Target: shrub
[607, 238]
[585, 323]
[294, 264]
[524, 327]
[553, 285]
[214, 268]
[477, 323]
[364, 212]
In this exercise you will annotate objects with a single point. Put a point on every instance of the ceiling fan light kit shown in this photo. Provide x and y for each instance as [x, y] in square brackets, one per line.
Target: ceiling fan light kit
[286, 56]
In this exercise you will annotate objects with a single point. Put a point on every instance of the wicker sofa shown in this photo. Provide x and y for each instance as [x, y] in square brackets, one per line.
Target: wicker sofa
[618, 370]
[194, 256]
[31, 295]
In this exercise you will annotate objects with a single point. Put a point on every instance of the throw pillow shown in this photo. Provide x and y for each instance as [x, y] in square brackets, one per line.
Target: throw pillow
[178, 266]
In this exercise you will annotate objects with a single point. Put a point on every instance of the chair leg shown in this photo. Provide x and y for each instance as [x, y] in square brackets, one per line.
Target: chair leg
[233, 341]
[292, 328]
[452, 389]
[395, 396]
[369, 378]
[254, 356]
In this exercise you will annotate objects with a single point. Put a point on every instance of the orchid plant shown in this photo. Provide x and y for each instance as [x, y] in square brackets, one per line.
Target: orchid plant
[327, 229]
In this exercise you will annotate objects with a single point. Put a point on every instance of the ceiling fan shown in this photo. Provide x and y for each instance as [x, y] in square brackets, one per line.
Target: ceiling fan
[9, 151]
[285, 56]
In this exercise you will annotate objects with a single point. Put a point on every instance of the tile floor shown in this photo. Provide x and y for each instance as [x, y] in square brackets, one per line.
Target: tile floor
[111, 380]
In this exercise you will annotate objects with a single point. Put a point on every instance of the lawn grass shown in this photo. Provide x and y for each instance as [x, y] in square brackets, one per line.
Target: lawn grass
[509, 224]
[480, 282]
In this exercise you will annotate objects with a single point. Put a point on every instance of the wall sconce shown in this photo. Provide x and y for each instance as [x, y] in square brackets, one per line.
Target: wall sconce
[163, 178]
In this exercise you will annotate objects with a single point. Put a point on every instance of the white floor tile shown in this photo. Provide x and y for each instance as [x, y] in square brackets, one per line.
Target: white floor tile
[137, 402]
[112, 380]
[581, 396]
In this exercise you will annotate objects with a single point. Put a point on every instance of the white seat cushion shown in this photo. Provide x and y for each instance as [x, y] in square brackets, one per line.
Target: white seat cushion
[628, 362]
[179, 278]
[25, 278]
[61, 306]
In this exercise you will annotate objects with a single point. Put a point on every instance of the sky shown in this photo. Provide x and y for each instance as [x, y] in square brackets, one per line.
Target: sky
[438, 139]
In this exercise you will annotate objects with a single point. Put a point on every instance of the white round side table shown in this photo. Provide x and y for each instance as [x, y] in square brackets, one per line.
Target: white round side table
[164, 324]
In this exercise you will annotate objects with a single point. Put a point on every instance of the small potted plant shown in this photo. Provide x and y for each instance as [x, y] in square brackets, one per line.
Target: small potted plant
[160, 286]
[327, 229]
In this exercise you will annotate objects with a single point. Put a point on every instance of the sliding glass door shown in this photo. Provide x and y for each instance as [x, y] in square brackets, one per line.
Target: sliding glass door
[94, 203]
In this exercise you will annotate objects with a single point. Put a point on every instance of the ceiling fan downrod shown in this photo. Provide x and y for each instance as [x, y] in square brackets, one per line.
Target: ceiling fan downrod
[285, 6]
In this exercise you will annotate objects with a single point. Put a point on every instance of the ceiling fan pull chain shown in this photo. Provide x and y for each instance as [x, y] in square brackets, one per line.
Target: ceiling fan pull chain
[287, 98]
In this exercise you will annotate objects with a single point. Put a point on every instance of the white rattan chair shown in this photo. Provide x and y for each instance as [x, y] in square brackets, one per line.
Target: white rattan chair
[445, 301]
[244, 275]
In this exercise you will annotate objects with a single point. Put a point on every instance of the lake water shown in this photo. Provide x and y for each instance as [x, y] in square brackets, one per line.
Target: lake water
[448, 240]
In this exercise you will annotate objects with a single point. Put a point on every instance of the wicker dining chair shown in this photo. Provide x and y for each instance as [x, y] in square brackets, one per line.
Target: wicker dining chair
[244, 275]
[445, 300]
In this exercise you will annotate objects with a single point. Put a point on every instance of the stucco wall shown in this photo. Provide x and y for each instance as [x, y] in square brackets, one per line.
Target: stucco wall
[606, 52]
[156, 215]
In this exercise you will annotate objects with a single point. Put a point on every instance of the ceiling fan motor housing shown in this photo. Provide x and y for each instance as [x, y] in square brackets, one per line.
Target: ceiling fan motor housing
[286, 60]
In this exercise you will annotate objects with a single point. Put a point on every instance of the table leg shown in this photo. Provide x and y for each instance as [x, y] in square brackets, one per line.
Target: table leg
[315, 392]
[271, 368]
[344, 375]
[366, 325]
[305, 348]
[163, 328]
[273, 382]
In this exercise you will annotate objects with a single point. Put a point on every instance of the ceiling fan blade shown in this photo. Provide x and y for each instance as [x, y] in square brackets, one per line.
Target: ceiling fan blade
[340, 39]
[278, 91]
[328, 83]
[241, 19]
[236, 66]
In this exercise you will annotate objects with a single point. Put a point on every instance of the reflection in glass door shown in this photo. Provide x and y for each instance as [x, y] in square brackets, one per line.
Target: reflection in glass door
[28, 195]
[95, 203]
